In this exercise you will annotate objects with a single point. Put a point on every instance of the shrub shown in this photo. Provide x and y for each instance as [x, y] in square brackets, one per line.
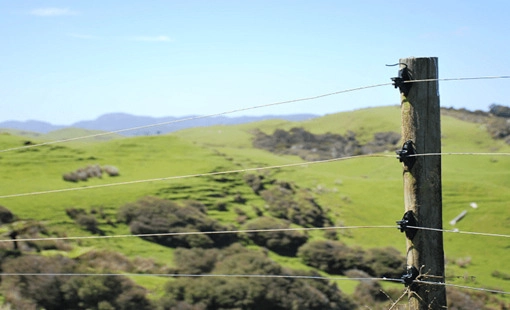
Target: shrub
[384, 262]
[297, 206]
[114, 292]
[499, 110]
[498, 127]
[335, 257]
[459, 300]
[281, 242]
[89, 222]
[67, 292]
[368, 292]
[105, 261]
[255, 182]
[308, 146]
[111, 171]
[151, 215]
[75, 212]
[42, 291]
[195, 261]
[70, 177]
[220, 206]
[501, 275]
[6, 216]
[252, 293]
[91, 171]
[330, 234]
[331, 256]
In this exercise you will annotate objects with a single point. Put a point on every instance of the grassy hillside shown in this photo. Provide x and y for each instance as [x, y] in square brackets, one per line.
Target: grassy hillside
[368, 191]
[363, 191]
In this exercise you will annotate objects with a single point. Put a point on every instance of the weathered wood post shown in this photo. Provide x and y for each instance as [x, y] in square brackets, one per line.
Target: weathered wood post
[422, 181]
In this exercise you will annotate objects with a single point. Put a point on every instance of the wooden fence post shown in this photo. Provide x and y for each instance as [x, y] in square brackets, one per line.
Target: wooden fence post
[422, 181]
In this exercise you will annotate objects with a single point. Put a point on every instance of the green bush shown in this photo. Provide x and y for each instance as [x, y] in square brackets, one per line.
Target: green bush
[252, 293]
[152, 215]
[75, 212]
[6, 215]
[384, 262]
[281, 242]
[90, 223]
[64, 291]
[298, 206]
[336, 257]
[255, 182]
[105, 261]
[368, 292]
[331, 256]
[196, 260]
[100, 292]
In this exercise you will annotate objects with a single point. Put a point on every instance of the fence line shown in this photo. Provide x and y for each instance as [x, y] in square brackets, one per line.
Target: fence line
[460, 232]
[460, 153]
[268, 276]
[460, 79]
[207, 275]
[249, 231]
[205, 174]
[197, 117]
[249, 108]
[199, 233]
[464, 286]
[248, 170]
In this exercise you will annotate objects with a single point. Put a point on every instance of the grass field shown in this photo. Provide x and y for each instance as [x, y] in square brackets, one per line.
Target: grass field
[361, 191]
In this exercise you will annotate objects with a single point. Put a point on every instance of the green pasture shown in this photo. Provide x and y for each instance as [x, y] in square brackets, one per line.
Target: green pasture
[360, 191]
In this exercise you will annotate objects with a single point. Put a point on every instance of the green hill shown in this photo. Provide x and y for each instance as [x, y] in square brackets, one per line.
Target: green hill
[359, 191]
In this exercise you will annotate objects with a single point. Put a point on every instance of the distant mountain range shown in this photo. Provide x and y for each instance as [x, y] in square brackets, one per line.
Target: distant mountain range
[120, 121]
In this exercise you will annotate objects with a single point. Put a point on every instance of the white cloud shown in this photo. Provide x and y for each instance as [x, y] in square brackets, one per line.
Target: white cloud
[160, 38]
[52, 12]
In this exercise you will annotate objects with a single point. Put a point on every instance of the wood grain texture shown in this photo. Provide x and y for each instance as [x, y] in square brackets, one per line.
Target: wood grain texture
[422, 183]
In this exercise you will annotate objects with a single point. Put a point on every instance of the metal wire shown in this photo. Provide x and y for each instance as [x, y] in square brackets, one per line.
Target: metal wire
[193, 175]
[249, 108]
[460, 232]
[464, 287]
[196, 117]
[196, 233]
[266, 276]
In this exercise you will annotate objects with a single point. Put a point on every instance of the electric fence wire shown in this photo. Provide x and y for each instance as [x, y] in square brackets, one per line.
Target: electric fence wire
[247, 109]
[246, 170]
[464, 287]
[197, 117]
[456, 231]
[207, 275]
[459, 153]
[266, 276]
[241, 231]
[460, 79]
[205, 174]
[197, 233]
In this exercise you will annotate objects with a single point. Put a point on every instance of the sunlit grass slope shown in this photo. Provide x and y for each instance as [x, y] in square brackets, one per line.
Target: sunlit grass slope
[362, 191]
[368, 191]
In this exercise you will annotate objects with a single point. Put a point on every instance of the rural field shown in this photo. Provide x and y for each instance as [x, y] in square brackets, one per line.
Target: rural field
[261, 175]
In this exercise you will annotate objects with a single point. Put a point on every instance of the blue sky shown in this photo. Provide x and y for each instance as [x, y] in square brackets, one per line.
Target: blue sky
[64, 61]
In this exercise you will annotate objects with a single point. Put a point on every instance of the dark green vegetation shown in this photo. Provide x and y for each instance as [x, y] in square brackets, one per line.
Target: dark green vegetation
[175, 198]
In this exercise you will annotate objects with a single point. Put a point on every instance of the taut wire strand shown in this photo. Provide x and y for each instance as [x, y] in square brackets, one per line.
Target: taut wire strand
[460, 232]
[249, 231]
[195, 233]
[192, 176]
[196, 117]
